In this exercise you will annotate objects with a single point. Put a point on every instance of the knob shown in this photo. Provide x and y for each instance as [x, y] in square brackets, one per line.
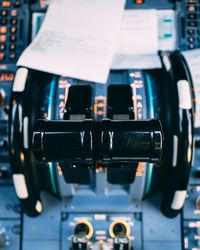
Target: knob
[4, 240]
[83, 228]
[119, 229]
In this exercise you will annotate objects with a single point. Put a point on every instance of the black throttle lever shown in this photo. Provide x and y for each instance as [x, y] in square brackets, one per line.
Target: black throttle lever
[107, 141]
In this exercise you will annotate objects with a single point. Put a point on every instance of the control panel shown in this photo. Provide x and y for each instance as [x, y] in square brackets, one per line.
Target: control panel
[103, 199]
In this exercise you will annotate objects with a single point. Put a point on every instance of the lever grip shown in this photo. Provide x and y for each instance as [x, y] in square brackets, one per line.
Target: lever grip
[63, 140]
[88, 141]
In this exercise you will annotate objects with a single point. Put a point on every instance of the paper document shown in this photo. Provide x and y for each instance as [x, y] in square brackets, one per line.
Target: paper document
[148, 61]
[78, 39]
[166, 30]
[138, 36]
[192, 58]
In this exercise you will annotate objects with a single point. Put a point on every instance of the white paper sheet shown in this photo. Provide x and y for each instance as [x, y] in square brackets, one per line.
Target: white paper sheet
[138, 36]
[78, 39]
[166, 30]
[192, 58]
[147, 61]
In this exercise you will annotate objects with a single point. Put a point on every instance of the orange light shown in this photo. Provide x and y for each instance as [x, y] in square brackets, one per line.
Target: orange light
[3, 29]
[59, 170]
[6, 77]
[139, 1]
[140, 169]
[6, 4]
[2, 56]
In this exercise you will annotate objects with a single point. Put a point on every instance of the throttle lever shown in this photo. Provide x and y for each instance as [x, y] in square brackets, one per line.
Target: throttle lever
[89, 141]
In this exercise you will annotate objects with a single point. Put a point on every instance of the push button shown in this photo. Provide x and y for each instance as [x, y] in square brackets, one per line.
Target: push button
[191, 46]
[3, 21]
[3, 29]
[192, 16]
[12, 56]
[2, 47]
[14, 13]
[190, 31]
[191, 39]
[2, 56]
[6, 4]
[12, 38]
[17, 3]
[13, 29]
[12, 46]
[192, 24]
[4, 13]
[13, 21]
[2, 38]
[191, 8]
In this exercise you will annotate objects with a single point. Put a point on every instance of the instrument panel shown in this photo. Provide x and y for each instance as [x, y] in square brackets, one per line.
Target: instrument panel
[73, 206]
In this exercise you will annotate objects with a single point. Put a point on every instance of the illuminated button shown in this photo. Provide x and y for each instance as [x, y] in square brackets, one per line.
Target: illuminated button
[14, 13]
[3, 21]
[12, 47]
[3, 29]
[17, 3]
[192, 16]
[4, 13]
[139, 1]
[2, 38]
[191, 46]
[191, 39]
[192, 8]
[2, 47]
[12, 56]
[13, 21]
[2, 56]
[192, 24]
[13, 38]
[13, 29]
[190, 31]
[6, 4]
